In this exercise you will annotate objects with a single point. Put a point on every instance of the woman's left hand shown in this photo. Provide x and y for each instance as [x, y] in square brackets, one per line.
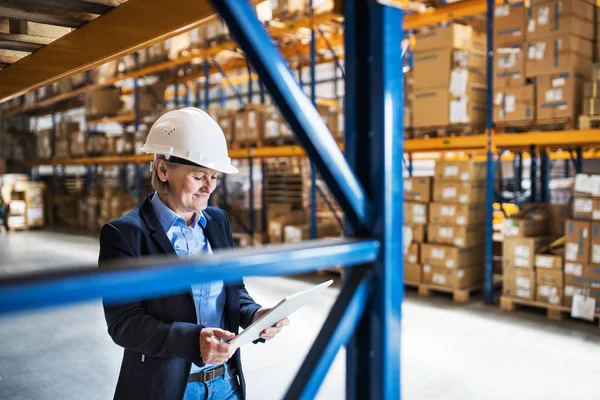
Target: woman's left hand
[271, 332]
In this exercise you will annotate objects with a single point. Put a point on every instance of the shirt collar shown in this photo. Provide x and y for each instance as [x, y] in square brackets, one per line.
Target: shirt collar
[168, 218]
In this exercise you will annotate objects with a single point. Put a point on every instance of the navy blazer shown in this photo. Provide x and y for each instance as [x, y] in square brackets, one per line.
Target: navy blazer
[161, 336]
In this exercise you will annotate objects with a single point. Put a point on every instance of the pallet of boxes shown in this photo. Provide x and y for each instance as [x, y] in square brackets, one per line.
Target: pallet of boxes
[25, 201]
[548, 259]
[449, 77]
[452, 255]
[544, 54]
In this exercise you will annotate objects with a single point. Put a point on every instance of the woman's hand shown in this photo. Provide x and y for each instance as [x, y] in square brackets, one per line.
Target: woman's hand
[271, 332]
[212, 349]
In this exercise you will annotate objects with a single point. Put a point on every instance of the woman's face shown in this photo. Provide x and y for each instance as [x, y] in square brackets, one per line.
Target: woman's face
[191, 187]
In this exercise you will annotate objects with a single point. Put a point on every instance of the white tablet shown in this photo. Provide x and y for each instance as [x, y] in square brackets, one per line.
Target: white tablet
[285, 308]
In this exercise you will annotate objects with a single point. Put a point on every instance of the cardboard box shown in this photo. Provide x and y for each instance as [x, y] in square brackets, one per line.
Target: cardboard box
[595, 250]
[297, 233]
[456, 214]
[591, 106]
[453, 278]
[455, 235]
[448, 109]
[557, 17]
[520, 252]
[519, 282]
[65, 129]
[571, 290]
[587, 185]
[558, 95]
[586, 208]
[549, 294]
[413, 254]
[453, 36]
[101, 103]
[35, 217]
[457, 191]
[460, 170]
[44, 150]
[415, 212]
[433, 68]
[525, 225]
[77, 144]
[438, 255]
[417, 188]
[514, 104]
[61, 148]
[250, 124]
[577, 241]
[549, 261]
[557, 54]
[576, 274]
[277, 222]
[413, 273]
[552, 277]
[510, 23]
[510, 65]
[418, 232]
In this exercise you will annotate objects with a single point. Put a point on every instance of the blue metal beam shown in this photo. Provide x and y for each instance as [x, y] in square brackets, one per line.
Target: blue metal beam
[233, 87]
[206, 85]
[341, 323]
[251, 196]
[297, 109]
[533, 155]
[545, 175]
[313, 99]
[488, 285]
[135, 279]
[374, 139]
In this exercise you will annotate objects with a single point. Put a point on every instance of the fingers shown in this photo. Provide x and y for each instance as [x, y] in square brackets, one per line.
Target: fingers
[221, 334]
[283, 322]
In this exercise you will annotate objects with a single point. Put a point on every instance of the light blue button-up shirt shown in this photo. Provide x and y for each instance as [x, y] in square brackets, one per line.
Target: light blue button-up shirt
[189, 241]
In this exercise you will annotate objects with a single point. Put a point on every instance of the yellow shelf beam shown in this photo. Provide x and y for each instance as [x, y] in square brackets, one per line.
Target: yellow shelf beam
[570, 138]
[445, 144]
[450, 12]
[132, 26]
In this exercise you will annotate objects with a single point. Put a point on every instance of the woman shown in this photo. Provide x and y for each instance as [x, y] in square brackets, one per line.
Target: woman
[175, 346]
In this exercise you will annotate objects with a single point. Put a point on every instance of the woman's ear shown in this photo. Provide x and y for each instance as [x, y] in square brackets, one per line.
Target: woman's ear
[161, 170]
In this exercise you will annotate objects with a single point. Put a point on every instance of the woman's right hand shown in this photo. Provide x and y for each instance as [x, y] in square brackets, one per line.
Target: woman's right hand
[212, 349]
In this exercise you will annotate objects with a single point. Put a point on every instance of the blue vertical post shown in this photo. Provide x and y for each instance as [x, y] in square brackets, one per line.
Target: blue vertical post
[313, 97]
[567, 168]
[206, 85]
[518, 170]
[250, 94]
[580, 160]
[251, 195]
[262, 92]
[490, 174]
[533, 154]
[198, 100]
[545, 175]
[176, 98]
[373, 139]
[410, 164]
[136, 102]
[188, 99]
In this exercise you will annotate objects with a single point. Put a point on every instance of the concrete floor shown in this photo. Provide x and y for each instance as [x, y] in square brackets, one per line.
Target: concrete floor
[449, 351]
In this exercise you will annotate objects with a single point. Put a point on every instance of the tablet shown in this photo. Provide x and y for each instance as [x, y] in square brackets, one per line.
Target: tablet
[285, 308]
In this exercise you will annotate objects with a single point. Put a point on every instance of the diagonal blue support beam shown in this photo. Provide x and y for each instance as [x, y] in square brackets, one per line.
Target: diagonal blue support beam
[135, 279]
[341, 323]
[296, 107]
[233, 87]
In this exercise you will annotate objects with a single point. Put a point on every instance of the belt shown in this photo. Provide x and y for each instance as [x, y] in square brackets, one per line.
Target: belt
[207, 376]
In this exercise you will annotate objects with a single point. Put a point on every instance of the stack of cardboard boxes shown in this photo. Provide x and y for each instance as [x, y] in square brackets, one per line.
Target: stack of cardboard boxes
[591, 97]
[446, 214]
[64, 133]
[25, 200]
[544, 54]
[454, 253]
[449, 77]
[250, 124]
[582, 241]
[525, 234]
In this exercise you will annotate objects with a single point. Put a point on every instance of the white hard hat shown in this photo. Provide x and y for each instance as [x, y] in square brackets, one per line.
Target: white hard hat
[190, 134]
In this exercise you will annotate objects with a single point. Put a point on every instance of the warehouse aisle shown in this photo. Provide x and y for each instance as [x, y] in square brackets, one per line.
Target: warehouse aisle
[449, 352]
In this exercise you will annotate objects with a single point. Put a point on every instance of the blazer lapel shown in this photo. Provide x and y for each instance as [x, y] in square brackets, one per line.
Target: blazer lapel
[213, 233]
[153, 223]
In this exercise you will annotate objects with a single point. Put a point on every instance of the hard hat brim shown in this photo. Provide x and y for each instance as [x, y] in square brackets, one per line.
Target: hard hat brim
[228, 169]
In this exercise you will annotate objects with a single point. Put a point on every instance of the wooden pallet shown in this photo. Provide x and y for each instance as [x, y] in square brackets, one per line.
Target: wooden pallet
[532, 126]
[553, 312]
[589, 121]
[458, 295]
[446, 131]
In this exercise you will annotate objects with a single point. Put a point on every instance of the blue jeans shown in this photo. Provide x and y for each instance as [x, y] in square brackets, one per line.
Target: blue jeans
[222, 388]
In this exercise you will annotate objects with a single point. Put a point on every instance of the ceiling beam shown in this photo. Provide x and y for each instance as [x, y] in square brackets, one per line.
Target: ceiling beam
[19, 42]
[71, 5]
[130, 27]
[45, 15]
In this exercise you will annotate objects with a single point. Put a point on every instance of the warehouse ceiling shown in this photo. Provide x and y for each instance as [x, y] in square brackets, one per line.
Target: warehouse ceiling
[27, 25]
